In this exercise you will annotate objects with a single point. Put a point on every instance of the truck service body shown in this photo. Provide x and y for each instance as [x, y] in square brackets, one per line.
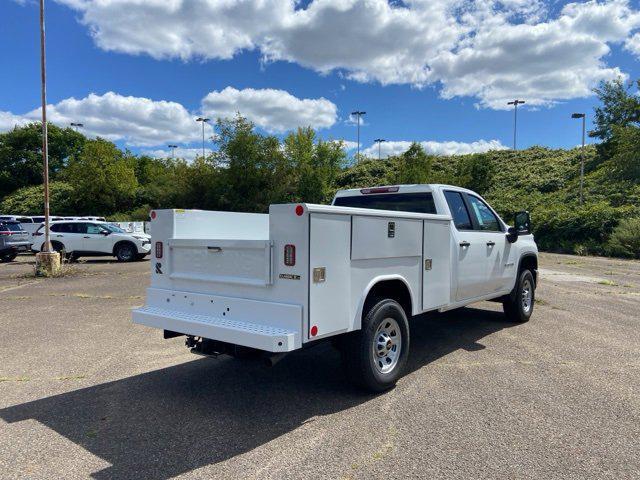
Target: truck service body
[353, 271]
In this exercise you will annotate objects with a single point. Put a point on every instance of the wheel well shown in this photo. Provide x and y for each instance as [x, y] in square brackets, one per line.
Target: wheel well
[393, 289]
[530, 262]
[122, 242]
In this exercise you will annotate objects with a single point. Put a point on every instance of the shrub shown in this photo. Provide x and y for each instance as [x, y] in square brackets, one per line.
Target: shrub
[625, 239]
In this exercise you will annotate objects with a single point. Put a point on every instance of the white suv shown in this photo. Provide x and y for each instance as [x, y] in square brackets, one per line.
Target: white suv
[80, 238]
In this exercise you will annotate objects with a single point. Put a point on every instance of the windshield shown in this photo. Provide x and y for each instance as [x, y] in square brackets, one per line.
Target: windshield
[11, 226]
[112, 228]
[421, 202]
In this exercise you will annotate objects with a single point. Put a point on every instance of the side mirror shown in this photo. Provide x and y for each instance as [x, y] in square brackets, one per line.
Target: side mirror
[522, 222]
[512, 234]
[105, 232]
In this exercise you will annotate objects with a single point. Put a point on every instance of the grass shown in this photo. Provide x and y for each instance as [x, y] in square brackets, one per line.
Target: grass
[609, 283]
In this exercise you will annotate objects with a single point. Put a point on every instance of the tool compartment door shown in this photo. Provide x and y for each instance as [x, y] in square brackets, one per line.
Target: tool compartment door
[329, 298]
[436, 264]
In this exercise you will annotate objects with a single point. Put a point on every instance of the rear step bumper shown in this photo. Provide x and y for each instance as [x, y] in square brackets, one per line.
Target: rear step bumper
[224, 318]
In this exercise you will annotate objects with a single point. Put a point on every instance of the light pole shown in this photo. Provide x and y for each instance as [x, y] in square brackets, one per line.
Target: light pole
[45, 146]
[379, 142]
[358, 114]
[515, 104]
[76, 126]
[584, 126]
[203, 120]
[173, 150]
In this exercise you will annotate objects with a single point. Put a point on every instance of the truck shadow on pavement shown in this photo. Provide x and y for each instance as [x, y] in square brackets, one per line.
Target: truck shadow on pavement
[170, 421]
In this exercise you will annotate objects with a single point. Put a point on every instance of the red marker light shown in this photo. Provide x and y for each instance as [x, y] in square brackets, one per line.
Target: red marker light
[153, 214]
[299, 210]
[314, 331]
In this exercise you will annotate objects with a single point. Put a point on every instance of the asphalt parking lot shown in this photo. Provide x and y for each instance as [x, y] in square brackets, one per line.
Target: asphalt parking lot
[86, 394]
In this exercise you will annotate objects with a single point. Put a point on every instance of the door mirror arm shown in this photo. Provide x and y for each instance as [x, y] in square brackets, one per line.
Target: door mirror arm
[512, 234]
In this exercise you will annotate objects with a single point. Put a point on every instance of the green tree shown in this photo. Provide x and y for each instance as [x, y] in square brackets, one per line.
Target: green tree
[30, 200]
[475, 172]
[21, 154]
[620, 107]
[414, 165]
[103, 178]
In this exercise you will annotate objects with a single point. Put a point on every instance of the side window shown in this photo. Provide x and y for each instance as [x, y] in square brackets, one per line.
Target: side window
[60, 228]
[459, 211]
[483, 214]
[93, 229]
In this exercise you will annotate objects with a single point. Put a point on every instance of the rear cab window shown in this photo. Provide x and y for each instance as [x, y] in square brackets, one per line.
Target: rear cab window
[418, 202]
[11, 226]
[458, 208]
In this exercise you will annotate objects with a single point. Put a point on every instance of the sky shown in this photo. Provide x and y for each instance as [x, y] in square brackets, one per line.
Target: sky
[439, 72]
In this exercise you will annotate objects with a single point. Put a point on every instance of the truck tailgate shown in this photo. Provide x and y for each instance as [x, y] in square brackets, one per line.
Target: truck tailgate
[245, 262]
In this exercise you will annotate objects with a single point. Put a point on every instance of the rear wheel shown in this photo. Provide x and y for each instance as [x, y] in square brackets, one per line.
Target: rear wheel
[140, 256]
[8, 257]
[126, 252]
[376, 355]
[518, 305]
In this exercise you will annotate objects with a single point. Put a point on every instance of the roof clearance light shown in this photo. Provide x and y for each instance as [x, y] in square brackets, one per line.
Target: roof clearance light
[299, 210]
[367, 191]
[153, 214]
[314, 330]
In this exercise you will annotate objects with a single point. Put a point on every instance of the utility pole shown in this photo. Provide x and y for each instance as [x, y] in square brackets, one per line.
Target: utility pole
[203, 120]
[173, 150]
[45, 144]
[379, 142]
[358, 114]
[515, 104]
[584, 126]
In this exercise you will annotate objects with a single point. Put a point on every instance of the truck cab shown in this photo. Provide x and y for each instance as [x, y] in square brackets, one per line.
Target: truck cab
[353, 272]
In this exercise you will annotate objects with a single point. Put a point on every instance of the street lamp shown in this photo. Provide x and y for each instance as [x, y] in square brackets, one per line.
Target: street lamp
[515, 104]
[173, 150]
[76, 126]
[203, 120]
[358, 114]
[379, 142]
[584, 121]
[45, 146]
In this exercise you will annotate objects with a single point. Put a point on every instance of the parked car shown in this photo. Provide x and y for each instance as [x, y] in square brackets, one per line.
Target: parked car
[84, 239]
[13, 240]
[352, 272]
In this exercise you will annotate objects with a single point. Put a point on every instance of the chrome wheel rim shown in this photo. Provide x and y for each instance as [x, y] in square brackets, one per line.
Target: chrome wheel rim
[387, 345]
[527, 296]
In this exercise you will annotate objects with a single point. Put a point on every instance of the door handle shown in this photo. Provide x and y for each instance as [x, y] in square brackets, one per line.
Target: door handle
[464, 243]
[86, 237]
[59, 236]
[491, 243]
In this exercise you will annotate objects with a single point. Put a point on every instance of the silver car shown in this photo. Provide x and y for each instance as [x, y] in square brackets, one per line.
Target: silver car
[13, 240]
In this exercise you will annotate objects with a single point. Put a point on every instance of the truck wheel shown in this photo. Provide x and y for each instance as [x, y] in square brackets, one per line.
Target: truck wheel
[8, 257]
[376, 355]
[518, 305]
[125, 252]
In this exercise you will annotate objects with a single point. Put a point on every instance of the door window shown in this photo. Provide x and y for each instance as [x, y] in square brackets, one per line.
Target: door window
[459, 210]
[485, 218]
[94, 229]
[61, 227]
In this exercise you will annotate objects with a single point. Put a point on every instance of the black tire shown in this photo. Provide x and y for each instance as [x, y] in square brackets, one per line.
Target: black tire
[126, 252]
[364, 351]
[140, 257]
[8, 257]
[73, 257]
[518, 305]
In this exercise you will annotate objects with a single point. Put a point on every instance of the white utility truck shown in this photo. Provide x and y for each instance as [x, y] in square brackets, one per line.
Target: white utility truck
[353, 271]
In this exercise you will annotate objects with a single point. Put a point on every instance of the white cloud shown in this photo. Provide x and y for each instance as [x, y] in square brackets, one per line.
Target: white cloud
[396, 147]
[8, 121]
[136, 121]
[271, 110]
[633, 44]
[491, 50]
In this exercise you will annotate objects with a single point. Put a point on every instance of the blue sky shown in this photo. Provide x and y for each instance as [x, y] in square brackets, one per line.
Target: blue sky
[416, 81]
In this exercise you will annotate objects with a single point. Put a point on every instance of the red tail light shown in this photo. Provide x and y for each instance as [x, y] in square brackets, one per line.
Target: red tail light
[5, 233]
[158, 249]
[289, 255]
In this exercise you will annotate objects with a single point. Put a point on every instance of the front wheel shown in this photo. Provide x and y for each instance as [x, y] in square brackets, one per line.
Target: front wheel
[376, 355]
[8, 257]
[125, 252]
[518, 305]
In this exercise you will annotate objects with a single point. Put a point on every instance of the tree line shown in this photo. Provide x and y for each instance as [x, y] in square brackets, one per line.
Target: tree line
[250, 170]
